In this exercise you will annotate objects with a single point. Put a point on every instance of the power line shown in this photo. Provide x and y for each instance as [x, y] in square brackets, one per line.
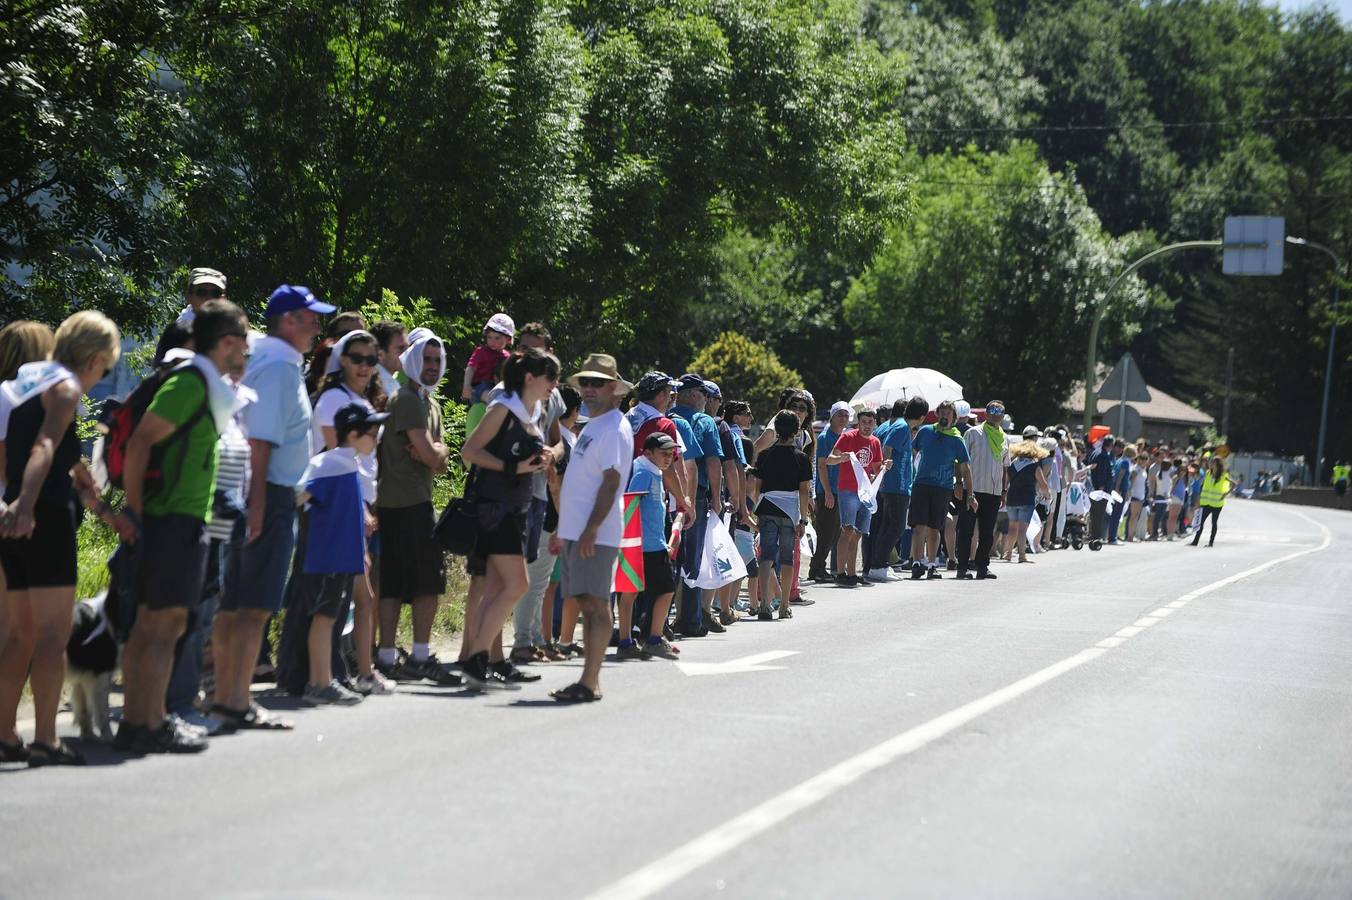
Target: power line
[1132, 126]
[1189, 189]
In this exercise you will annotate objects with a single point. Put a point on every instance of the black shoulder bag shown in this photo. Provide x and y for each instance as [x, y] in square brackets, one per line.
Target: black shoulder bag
[457, 531]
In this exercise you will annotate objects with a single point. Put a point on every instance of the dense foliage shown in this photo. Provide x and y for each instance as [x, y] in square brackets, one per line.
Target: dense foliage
[849, 183]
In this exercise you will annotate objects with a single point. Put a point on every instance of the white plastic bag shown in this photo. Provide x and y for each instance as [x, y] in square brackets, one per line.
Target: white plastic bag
[721, 563]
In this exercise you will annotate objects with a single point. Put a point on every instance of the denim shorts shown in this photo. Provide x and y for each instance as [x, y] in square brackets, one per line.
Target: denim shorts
[255, 574]
[853, 514]
[777, 540]
[1020, 514]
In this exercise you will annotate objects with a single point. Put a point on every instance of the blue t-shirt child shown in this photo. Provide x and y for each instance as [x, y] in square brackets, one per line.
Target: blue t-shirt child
[938, 454]
[652, 506]
[337, 541]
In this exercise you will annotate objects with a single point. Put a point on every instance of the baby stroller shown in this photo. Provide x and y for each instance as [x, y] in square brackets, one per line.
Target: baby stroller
[1077, 515]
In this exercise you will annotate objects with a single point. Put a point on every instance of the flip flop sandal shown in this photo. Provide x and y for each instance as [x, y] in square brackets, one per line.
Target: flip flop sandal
[523, 655]
[15, 752]
[46, 755]
[575, 693]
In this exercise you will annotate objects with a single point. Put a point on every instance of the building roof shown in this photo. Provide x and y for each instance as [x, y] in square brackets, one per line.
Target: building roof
[1161, 408]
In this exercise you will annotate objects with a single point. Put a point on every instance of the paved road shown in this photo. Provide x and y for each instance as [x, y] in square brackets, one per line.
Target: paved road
[1121, 724]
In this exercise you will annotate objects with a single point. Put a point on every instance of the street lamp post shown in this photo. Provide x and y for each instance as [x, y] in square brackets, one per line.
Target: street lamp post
[1328, 367]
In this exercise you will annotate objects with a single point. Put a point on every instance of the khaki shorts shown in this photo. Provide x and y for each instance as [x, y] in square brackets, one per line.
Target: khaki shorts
[594, 577]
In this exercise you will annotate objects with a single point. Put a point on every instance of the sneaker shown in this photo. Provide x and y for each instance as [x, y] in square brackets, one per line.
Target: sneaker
[714, 625]
[843, 580]
[933, 573]
[168, 738]
[662, 648]
[390, 670]
[202, 725]
[964, 575]
[917, 571]
[430, 669]
[765, 615]
[632, 651]
[862, 581]
[331, 694]
[982, 575]
[512, 675]
[802, 600]
[881, 575]
[952, 565]
[375, 683]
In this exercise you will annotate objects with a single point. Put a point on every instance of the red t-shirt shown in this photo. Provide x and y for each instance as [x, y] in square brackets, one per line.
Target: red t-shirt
[868, 449]
[484, 362]
[657, 423]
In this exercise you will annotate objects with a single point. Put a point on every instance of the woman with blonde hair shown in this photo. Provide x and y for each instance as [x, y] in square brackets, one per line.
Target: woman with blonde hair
[43, 474]
[1027, 480]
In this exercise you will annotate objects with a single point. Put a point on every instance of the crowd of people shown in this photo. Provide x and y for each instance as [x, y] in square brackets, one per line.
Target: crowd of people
[290, 471]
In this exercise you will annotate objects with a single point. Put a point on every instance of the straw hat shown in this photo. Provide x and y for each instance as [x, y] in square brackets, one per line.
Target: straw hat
[601, 365]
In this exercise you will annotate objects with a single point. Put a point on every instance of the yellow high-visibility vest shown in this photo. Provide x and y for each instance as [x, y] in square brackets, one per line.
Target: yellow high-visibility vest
[1213, 492]
[1341, 473]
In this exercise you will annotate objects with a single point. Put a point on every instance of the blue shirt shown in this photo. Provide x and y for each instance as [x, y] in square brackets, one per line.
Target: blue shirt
[706, 443]
[897, 480]
[687, 438]
[281, 415]
[1101, 469]
[652, 507]
[938, 454]
[337, 535]
[826, 442]
[1122, 476]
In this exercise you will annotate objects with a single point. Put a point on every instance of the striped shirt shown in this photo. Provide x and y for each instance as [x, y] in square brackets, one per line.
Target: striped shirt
[232, 477]
[988, 473]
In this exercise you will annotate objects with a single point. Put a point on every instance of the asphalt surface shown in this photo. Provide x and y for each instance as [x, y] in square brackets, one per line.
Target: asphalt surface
[1054, 733]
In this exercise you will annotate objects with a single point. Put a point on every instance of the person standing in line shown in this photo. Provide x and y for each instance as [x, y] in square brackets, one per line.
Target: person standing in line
[826, 518]
[784, 476]
[1027, 479]
[1216, 486]
[706, 450]
[186, 417]
[591, 514]
[856, 445]
[413, 568]
[280, 440]
[734, 491]
[659, 452]
[943, 457]
[43, 476]
[1101, 480]
[505, 451]
[1121, 485]
[1177, 492]
[392, 340]
[989, 452]
[1135, 491]
[894, 495]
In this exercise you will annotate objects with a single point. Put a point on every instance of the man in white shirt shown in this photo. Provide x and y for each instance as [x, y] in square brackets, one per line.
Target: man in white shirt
[591, 517]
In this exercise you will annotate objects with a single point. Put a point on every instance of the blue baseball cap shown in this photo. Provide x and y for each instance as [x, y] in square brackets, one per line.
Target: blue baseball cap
[690, 380]
[711, 390]
[291, 297]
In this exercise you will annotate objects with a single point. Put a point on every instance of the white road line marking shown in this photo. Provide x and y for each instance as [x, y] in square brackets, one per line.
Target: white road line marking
[727, 836]
[1165, 611]
[1145, 622]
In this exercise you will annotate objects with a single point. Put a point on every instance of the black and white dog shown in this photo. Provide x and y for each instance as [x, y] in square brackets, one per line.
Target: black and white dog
[92, 655]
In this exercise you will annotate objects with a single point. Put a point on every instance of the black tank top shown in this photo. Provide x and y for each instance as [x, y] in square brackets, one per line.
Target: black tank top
[512, 443]
[25, 422]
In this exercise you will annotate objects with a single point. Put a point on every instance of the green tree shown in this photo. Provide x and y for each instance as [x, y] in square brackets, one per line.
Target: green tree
[88, 139]
[746, 370]
[992, 282]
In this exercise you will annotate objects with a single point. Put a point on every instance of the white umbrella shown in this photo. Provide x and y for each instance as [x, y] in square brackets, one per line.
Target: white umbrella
[903, 384]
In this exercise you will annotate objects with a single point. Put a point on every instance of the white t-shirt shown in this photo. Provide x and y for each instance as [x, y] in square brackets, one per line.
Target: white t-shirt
[606, 443]
[1164, 482]
[1137, 482]
[326, 408]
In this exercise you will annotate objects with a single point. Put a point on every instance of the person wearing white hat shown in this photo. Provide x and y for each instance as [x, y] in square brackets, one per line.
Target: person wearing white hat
[482, 371]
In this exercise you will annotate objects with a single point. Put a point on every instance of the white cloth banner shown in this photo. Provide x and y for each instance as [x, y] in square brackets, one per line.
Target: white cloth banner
[867, 490]
[721, 563]
[1034, 529]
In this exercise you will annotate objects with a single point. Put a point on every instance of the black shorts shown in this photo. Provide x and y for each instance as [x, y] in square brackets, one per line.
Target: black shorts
[503, 531]
[173, 561]
[1340, 488]
[412, 563]
[658, 576]
[47, 557]
[323, 595]
[929, 506]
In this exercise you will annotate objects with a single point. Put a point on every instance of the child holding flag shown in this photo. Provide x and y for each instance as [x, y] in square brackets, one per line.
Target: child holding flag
[659, 452]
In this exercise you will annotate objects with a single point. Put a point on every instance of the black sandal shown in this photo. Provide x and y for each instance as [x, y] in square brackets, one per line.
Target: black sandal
[575, 693]
[257, 718]
[41, 754]
[15, 752]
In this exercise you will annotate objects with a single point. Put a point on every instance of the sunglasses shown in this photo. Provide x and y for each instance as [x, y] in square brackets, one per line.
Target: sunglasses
[995, 410]
[362, 359]
[209, 291]
[593, 382]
